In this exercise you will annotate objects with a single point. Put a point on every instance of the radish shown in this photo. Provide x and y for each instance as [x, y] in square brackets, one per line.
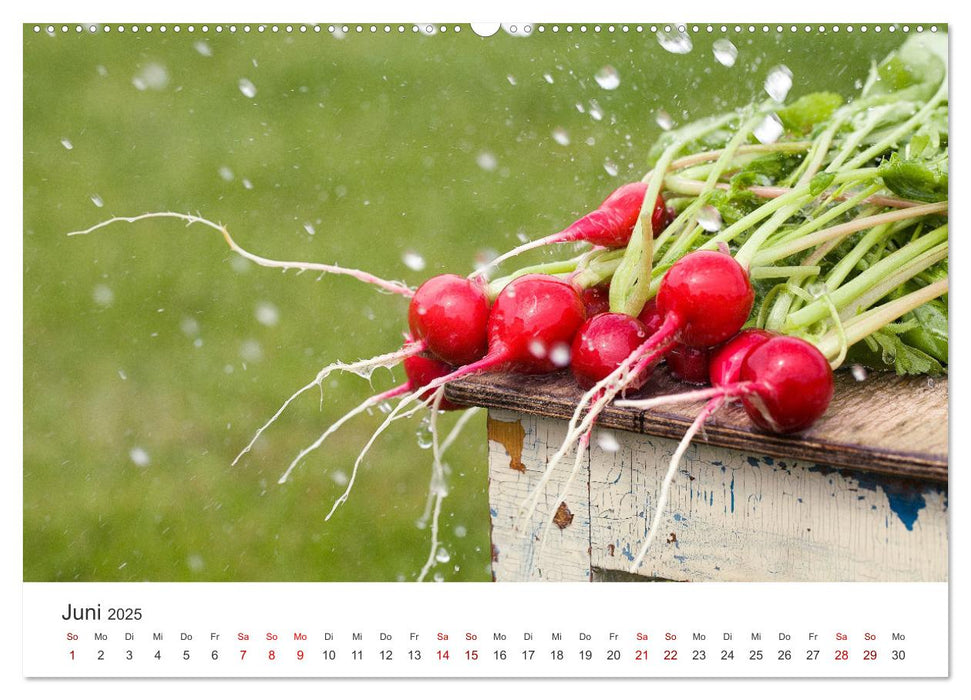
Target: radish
[610, 225]
[602, 343]
[784, 383]
[530, 329]
[450, 314]
[688, 364]
[596, 300]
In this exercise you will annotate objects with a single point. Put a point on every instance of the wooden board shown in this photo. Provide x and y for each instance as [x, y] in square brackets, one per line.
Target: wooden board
[732, 515]
[883, 424]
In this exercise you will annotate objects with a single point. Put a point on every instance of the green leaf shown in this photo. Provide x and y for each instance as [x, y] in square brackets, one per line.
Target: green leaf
[885, 350]
[915, 179]
[931, 333]
[802, 115]
[913, 71]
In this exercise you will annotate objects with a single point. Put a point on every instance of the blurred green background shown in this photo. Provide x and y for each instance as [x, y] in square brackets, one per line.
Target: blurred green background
[152, 354]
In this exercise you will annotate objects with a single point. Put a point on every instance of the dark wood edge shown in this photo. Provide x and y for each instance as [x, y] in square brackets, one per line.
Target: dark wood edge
[559, 395]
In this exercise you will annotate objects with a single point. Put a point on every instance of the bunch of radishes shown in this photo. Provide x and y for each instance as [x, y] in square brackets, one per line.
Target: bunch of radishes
[845, 208]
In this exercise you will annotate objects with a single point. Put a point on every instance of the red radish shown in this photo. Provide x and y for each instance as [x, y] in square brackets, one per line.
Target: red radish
[688, 364]
[709, 296]
[793, 384]
[596, 300]
[422, 370]
[450, 313]
[725, 365]
[610, 225]
[651, 317]
[602, 343]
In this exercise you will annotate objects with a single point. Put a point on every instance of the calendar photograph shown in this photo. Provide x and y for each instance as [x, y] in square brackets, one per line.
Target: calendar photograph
[485, 303]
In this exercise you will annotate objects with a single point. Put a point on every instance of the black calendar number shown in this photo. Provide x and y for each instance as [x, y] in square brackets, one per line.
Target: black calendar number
[500, 654]
[785, 655]
[329, 654]
[898, 654]
[586, 655]
[386, 655]
[613, 655]
[101, 655]
[124, 613]
[698, 655]
[812, 654]
[728, 654]
[185, 654]
[755, 655]
[129, 655]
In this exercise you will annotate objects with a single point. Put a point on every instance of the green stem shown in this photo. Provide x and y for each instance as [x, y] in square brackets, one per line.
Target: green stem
[557, 267]
[848, 292]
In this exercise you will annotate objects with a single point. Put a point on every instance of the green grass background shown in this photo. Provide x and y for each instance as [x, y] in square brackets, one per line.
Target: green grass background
[375, 141]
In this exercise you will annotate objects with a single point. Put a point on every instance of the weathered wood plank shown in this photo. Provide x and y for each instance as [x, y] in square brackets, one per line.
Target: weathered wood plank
[884, 424]
[732, 516]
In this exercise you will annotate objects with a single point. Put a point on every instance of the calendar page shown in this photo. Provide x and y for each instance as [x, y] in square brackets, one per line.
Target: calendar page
[528, 350]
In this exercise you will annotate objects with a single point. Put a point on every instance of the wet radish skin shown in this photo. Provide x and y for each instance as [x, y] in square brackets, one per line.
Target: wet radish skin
[725, 363]
[602, 344]
[710, 295]
[688, 364]
[422, 370]
[794, 384]
[533, 320]
[451, 313]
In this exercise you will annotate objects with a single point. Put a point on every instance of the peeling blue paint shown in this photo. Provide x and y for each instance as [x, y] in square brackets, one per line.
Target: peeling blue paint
[627, 553]
[731, 487]
[907, 508]
[711, 498]
[493, 512]
[799, 500]
[680, 557]
[768, 460]
[753, 461]
[677, 517]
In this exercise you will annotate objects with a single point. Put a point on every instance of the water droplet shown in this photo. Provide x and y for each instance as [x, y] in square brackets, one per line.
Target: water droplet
[511, 79]
[818, 289]
[486, 161]
[309, 228]
[611, 167]
[548, 78]
[339, 477]
[560, 136]
[778, 82]
[424, 433]
[413, 260]
[725, 52]
[102, 295]
[67, 144]
[769, 129]
[195, 562]
[674, 40]
[438, 577]
[153, 76]
[97, 201]
[139, 457]
[859, 372]
[710, 218]
[247, 88]
[442, 556]
[247, 184]
[560, 355]
[225, 173]
[537, 349]
[102, 71]
[460, 531]
[385, 407]
[580, 108]
[251, 350]
[595, 111]
[607, 441]
[608, 78]
[664, 120]
[189, 326]
[121, 373]
[267, 314]
[203, 48]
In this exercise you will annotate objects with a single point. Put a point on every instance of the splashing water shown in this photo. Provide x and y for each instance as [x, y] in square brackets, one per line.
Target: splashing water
[226, 173]
[769, 129]
[560, 355]
[664, 120]
[596, 112]
[486, 161]
[67, 144]
[674, 40]
[608, 78]
[247, 88]
[778, 82]
[413, 260]
[153, 76]
[548, 78]
[442, 556]
[710, 219]
[611, 167]
[102, 295]
[203, 48]
[560, 136]
[139, 457]
[267, 314]
[424, 433]
[607, 441]
[859, 372]
[97, 201]
[511, 79]
[725, 52]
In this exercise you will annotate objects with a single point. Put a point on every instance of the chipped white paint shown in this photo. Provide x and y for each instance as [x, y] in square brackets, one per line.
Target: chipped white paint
[731, 516]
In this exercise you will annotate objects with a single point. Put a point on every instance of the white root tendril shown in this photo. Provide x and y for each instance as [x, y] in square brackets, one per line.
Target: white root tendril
[662, 500]
[395, 414]
[436, 489]
[467, 415]
[366, 277]
[362, 368]
[360, 408]
[601, 394]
